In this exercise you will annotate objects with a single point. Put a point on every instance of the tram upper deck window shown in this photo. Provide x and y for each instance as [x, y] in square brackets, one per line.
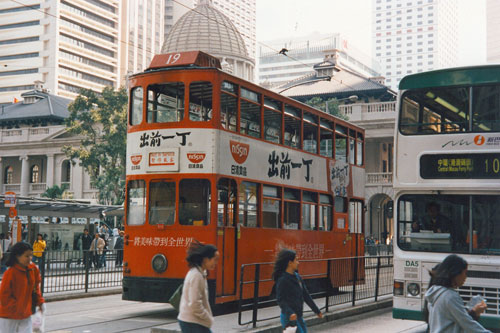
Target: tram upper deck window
[200, 101]
[136, 105]
[165, 102]
[435, 111]
[326, 138]
[161, 202]
[293, 126]
[136, 202]
[194, 202]
[340, 143]
[229, 105]
[250, 113]
[310, 143]
[272, 120]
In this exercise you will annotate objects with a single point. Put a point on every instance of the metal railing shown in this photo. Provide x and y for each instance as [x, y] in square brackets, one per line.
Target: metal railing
[64, 271]
[378, 250]
[338, 281]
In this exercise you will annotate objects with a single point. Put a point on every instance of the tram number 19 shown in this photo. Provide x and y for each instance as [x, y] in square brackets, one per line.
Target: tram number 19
[493, 164]
[173, 58]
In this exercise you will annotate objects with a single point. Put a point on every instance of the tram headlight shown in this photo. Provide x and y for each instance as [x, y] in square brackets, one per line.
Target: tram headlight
[159, 263]
[413, 289]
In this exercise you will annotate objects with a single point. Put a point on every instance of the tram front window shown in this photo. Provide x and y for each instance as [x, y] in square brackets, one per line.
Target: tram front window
[449, 223]
[194, 202]
[162, 202]
[136, 202]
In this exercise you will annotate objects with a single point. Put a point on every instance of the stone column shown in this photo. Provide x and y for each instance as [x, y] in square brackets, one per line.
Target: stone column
[25, 175]
[50, 170]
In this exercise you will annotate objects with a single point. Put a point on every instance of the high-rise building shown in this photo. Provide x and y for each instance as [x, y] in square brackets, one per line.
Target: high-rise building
[411, 36]
[65, 45]
[174, 9]
[302, 53]
[492, 28]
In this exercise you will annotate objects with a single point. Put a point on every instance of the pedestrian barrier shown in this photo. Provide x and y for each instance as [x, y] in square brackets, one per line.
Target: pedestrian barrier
[339, 281]
[64, 271]
[378, 250]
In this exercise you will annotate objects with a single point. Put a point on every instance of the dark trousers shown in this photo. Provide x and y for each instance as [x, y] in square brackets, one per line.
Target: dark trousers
[87, 261]
[193, 328]
[119, 257]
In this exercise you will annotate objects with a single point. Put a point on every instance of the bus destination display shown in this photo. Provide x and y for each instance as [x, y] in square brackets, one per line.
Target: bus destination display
[460, 166]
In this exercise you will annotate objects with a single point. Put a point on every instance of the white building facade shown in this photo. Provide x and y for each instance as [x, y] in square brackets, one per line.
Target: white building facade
[304, 52]
[411, 36]
[492, 28]
[66, 45]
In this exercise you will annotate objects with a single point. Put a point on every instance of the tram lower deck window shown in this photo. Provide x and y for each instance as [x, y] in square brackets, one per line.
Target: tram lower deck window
[194, 202]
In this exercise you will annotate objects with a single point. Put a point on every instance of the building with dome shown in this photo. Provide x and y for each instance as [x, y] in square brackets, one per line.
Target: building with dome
[206, 29]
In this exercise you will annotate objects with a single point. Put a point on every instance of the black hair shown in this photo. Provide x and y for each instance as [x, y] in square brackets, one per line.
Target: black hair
[198, 251]
[39, 235]
[282, 260]
[444, 274]
[16, 250]
[85, 229]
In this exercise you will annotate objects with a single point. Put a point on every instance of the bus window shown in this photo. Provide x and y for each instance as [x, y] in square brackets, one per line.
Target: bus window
[194, 202]
[292, 127]
[326, 139]
[136, 202]
[486, 106]
[292, 209]
[271, 207]
[200, 101]
[248, 195]
[226, 202]
[136, 106]
[161, 202]
[309, 205]
[272, 121]
[250, 113]
[325, 212]
[229, 106]
[310, 143]
[355, 216]
[165, 102]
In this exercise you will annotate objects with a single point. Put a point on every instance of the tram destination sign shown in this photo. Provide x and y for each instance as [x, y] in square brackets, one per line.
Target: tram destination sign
[460, 166]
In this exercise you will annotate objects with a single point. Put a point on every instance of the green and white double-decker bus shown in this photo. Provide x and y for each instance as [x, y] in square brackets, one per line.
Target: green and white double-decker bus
[447, 184]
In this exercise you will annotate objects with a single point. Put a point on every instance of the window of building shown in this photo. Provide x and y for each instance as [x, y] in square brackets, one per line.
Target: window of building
[9, 175]
[35, 174]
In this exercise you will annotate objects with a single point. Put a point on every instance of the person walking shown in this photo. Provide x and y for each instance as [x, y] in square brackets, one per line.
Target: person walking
[119, 249]
[19, 283]
[291, 292]
[97, 250]
[444, 309]
[39, 247]
[195, 314]
[86, 242]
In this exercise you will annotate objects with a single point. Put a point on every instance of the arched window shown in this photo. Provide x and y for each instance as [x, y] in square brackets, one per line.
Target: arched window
[35, 174]
[8, 175]
[66, 171]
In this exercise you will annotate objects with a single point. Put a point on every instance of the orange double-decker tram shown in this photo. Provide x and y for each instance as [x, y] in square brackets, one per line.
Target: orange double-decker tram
[221, 160]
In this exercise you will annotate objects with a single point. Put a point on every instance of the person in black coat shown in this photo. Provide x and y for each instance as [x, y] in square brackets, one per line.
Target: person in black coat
[86, 242]
[119, 249]
[291, 292]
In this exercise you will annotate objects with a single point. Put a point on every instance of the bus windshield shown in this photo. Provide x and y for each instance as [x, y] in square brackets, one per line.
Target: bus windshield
[447, 223]
[441, 110]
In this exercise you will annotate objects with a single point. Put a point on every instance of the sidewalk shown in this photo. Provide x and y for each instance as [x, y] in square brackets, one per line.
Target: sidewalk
[229, 323]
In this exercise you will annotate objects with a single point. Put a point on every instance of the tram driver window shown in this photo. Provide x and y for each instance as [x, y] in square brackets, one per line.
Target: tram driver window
[165, 102]
[200, 101]
[194, 202]
[136, 202]
[162, 202]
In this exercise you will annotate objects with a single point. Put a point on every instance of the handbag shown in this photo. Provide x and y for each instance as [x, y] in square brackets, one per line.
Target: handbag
[175, 299]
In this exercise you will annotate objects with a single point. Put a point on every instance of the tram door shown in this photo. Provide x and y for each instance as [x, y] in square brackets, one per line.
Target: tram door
[227, 235]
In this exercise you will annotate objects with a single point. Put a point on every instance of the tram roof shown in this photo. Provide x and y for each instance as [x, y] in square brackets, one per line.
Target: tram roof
[458, 76]
[27, 206]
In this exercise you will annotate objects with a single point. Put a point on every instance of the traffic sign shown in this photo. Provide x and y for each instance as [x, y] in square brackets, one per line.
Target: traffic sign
[10, 199]
[12, 212]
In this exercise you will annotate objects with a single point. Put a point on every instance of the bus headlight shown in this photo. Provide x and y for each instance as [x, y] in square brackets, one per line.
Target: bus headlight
[399, 287]
[159, 263]
[413, 289]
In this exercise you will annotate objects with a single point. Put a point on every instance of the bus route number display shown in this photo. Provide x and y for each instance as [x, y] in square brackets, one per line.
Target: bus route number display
[460, 166]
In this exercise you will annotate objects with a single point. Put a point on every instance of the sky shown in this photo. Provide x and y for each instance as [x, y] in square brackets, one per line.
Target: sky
[352, 18]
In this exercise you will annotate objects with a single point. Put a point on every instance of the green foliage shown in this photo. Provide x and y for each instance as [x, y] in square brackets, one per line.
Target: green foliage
[101, 122]
[332, 103]
[55, 192]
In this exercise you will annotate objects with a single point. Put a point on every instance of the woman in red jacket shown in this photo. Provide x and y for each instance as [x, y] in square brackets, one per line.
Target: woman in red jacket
[18, 284]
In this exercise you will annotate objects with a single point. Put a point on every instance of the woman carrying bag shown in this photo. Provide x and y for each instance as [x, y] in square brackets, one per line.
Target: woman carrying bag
[20, 290]
[291, 293]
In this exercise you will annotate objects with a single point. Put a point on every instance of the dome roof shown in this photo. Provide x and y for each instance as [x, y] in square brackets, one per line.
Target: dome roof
[206, 29]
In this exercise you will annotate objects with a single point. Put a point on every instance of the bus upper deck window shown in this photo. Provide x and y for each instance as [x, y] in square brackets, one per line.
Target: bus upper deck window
[136, 202]
[161, 202]
[200, 101]
[165, 102]
[136, 106]
[194, 202]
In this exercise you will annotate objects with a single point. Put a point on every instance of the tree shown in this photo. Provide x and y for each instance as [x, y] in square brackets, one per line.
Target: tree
[330, 106]
[101, 122]
[55, 192]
